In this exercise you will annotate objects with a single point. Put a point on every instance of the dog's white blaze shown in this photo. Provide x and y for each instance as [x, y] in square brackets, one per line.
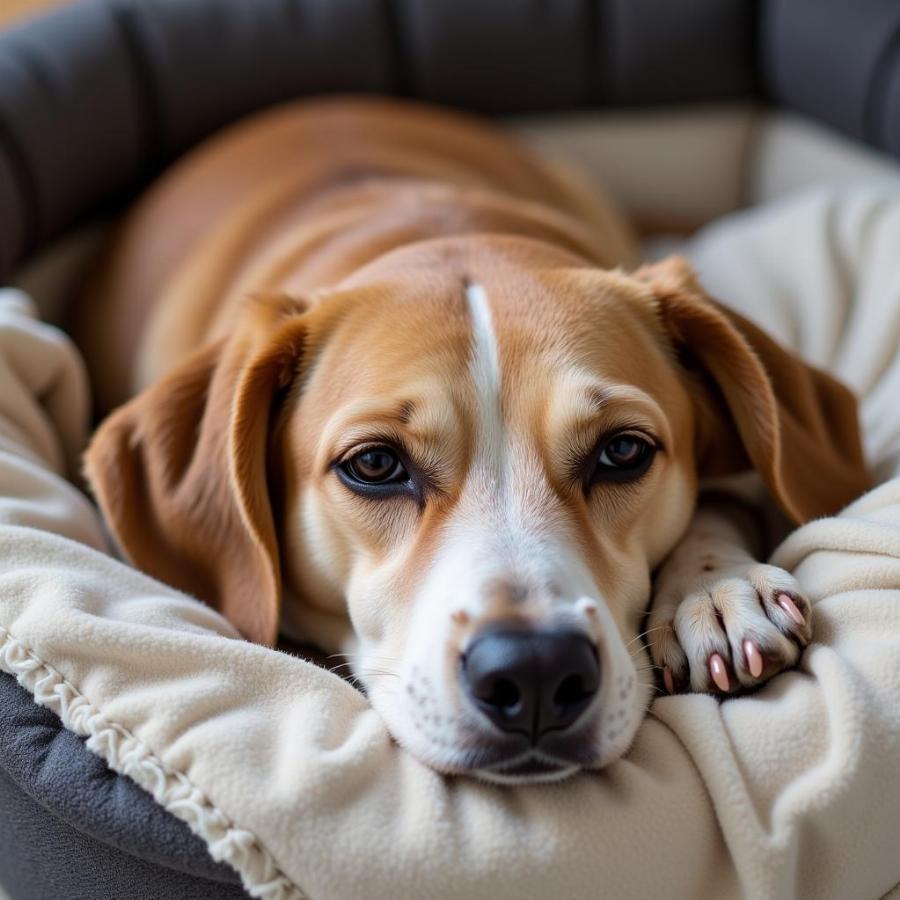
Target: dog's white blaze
[486, 376]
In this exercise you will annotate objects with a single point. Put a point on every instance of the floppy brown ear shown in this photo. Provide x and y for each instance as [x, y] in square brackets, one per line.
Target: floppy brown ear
[181, 478]
[796, 425]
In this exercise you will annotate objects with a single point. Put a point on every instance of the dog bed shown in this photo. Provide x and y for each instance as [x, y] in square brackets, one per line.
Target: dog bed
[286, 774]
[248, 770]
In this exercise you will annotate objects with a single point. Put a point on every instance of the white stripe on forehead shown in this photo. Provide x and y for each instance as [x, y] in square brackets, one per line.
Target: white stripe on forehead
[485, 371]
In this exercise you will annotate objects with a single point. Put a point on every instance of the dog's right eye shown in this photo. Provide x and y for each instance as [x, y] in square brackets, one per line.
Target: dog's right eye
[375, 466]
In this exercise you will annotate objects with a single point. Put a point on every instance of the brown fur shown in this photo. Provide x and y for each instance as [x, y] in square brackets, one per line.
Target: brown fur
[314, 259]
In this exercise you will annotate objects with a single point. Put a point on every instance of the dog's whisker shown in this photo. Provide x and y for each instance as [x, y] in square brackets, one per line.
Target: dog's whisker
[642, 648]
[359, 654]
[362, 657]
[349, 674]
[337, 668]
[644, 634]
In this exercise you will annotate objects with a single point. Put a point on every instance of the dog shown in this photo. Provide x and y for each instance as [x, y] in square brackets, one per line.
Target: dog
[396, 387]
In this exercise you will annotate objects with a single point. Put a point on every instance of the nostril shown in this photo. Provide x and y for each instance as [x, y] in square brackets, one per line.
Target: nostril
[502, 693]
[498, 672]
[572, 692]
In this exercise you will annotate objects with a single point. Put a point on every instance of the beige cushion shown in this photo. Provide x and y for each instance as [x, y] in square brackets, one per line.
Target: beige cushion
[672, 170]
[787, 152]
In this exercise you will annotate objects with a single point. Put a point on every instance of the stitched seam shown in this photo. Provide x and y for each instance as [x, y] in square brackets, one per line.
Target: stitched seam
[25, 186]
[127, 754]
[593, 23]
[149, 105]
[399, 60]
[876, 96]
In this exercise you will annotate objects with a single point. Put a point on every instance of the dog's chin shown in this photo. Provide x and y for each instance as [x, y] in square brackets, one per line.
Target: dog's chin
[530, 768]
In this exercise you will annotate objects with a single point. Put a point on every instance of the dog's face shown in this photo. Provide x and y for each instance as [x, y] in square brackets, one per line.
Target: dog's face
[468, 459]
[483, 466]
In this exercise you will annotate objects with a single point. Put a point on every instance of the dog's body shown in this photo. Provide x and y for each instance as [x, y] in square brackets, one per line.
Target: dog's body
[300, 198]
[387, 372]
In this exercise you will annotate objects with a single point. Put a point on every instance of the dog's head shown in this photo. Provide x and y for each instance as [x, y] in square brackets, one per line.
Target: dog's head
[462, 465]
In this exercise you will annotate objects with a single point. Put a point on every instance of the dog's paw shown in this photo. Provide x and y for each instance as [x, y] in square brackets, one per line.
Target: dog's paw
[731, 630]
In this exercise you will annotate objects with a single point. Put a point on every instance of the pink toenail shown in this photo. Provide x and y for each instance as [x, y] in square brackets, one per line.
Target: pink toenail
[668, 681]
[788, 605]
[719, 672]
[754, 658]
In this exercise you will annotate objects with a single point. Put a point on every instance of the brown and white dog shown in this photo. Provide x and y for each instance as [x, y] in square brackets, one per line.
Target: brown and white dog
[395, 396]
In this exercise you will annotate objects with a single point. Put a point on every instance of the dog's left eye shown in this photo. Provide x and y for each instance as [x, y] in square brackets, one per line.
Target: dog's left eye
[375, 466]
[623, 457]
[376, 472]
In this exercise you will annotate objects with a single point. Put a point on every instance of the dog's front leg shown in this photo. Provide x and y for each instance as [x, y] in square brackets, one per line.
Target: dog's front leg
[721, 621]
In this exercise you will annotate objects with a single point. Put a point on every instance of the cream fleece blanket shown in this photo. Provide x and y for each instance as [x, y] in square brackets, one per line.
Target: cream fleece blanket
[289, 776]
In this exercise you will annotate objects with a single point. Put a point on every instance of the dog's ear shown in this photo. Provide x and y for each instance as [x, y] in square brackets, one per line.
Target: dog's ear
[180, 472]
[763, 406]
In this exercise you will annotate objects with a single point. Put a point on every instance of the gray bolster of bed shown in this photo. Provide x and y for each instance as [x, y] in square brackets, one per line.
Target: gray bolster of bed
[74, 829]
[96, 97]
[836, 61]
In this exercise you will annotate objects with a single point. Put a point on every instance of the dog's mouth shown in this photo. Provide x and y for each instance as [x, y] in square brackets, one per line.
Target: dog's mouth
[532, 767]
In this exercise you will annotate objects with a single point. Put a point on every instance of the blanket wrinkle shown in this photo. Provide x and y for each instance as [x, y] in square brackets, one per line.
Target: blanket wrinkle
[287, 773]
[40, 363]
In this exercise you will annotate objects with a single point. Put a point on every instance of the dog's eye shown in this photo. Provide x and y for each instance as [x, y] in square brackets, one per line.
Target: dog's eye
[623, 457]
[375, 465]
[623, 451]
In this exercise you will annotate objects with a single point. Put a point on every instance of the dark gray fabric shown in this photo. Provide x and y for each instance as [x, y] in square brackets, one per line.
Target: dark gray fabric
[657, 51]
[889, 94]
[71, 121]
[509, 56]
[95, 97]
[205, 63]
[71, 828]
[838, 61]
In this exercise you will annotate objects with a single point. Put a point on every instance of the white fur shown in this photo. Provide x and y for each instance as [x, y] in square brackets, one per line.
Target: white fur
[485, 371]
[485, 356]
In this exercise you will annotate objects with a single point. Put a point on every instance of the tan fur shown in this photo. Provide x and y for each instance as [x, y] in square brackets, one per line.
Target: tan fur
[301, 196]
[297, 287]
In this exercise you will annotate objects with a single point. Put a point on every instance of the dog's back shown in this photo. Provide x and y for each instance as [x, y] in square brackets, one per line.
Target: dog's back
[296, 198]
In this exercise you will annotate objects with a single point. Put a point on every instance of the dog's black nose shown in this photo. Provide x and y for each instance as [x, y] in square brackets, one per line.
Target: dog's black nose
[531, 681]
